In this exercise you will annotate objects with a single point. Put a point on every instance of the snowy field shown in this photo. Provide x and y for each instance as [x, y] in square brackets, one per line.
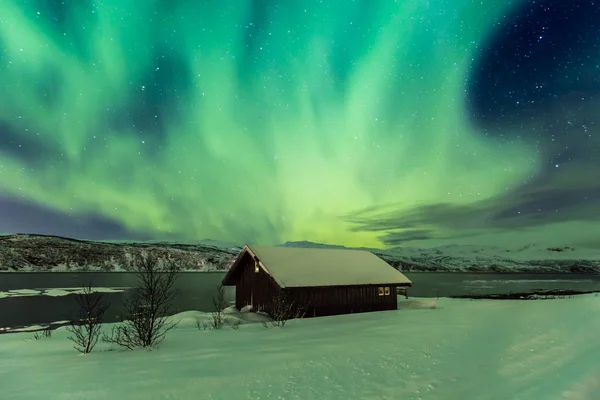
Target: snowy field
[430, 349]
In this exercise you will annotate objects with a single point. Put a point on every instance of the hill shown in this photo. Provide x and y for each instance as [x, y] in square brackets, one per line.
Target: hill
[470, 258]
[27, 252]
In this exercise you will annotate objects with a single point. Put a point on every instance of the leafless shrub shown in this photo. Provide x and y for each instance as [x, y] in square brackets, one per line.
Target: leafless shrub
[217, 316]
[145, 321]
[235, 324]
[85, 330]
[44, 333]
[282, 311]
[219, 306]
[217, 320]
[202, 324]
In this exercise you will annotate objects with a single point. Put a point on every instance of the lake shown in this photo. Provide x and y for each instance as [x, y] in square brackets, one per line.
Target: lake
[42, 298]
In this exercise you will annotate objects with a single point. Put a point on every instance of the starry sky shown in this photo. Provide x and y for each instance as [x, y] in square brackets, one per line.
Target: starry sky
[374, 123]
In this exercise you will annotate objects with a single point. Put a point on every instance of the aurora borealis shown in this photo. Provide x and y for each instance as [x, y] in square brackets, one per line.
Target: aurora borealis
[363, 123]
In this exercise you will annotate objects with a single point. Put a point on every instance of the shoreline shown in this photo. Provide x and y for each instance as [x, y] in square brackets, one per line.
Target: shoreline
[533, 296]
[550, 294]
[102, 272]
[428, 271]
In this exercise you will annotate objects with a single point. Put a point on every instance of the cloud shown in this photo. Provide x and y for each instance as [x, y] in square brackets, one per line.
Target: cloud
[565, 188]
[16, 144]
[20, 216]
[530, 206]
[396, 238]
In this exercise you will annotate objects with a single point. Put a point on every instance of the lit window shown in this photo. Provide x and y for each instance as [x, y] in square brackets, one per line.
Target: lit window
[381, 291]
[387, 291]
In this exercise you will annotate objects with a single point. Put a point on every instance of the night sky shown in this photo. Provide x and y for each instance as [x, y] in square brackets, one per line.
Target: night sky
[375, 123]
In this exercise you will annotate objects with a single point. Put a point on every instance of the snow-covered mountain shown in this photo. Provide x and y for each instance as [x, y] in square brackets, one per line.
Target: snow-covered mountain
[25, 252]
[471, 258]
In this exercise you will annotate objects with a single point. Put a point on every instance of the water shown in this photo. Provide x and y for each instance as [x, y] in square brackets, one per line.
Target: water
[195, 291]
[41, 298]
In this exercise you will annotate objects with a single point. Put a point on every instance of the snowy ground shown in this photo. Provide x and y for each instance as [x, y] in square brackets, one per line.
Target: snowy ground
[430, 349]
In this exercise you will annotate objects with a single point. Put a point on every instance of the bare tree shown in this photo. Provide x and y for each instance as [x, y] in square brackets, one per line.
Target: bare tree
[282, 311]
[85, 330]
[219, 306]
[145, 321]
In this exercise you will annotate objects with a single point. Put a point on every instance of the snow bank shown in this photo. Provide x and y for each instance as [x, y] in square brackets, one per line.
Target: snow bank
[231, 316]
[429, 349]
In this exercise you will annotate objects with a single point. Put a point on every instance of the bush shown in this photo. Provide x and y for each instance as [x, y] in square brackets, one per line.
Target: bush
[44, 333]
[146, 310]
[219, 306]
[202, 324]
[236, 324]
[283, 310]
[85, 330]
[217, 316]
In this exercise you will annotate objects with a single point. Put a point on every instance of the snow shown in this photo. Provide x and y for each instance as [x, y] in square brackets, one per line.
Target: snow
[547, 258]
[57, 292]
[520, 253]
[530, 258]
[30, 328]
[429, 349]
[19, 293]
[302, 267]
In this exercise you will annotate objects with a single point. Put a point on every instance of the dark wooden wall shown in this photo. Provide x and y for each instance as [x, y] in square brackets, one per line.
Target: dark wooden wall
[253, 288]
[333, 300]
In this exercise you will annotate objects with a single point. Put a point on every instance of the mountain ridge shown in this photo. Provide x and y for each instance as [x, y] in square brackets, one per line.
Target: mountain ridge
[47, 253]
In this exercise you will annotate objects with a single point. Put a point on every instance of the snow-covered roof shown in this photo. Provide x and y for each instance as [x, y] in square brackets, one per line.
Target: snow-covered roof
[302, 267]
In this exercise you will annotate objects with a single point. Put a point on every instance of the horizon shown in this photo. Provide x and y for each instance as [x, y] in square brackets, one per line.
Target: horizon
[308, 243]
[260, 122]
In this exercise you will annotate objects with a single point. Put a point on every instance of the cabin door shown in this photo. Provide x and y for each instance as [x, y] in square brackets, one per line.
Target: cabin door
[254, 299]
[253, 282]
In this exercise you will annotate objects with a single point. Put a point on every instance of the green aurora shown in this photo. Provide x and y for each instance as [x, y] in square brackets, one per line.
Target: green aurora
[261, 121]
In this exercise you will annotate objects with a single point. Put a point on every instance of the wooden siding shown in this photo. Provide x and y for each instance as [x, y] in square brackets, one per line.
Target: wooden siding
[332, 300]
[255, 289]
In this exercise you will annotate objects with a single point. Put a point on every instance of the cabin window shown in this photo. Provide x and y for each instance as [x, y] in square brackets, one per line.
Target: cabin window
[387, 291]
[256, 269]
[381, 291]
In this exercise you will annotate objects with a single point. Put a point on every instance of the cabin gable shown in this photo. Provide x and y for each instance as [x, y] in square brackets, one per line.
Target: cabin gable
[253, 284]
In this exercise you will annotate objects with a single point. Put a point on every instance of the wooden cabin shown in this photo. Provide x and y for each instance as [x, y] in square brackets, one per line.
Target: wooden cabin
[320, 281]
